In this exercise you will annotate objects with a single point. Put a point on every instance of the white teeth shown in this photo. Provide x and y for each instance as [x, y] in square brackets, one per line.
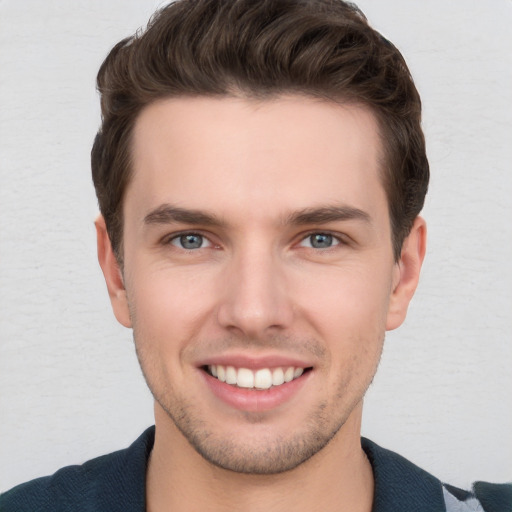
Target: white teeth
[230, 375]
[245, 378]
[277, 377]
[263, 378]
[288, 374]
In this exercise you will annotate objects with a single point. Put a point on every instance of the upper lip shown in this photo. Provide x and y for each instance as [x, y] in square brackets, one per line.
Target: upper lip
[255, 362]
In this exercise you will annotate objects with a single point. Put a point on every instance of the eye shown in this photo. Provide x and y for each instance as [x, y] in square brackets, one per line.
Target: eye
[190, 241]
[320, 241]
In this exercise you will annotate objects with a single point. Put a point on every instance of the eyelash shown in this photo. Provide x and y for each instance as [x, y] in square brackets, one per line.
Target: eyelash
[336, 238]
[339, 240]
[170, 239]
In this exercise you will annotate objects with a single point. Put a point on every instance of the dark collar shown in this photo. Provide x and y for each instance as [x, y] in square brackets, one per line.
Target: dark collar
[119, 479]
[400, 486]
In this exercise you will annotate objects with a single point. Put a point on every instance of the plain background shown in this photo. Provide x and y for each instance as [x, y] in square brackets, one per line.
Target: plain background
[70, 386]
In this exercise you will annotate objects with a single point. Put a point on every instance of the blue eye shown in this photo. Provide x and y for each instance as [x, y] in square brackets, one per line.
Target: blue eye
[190, 241]
[320, 241]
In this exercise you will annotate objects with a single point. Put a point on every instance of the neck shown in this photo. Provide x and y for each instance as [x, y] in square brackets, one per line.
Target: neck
[337, 478]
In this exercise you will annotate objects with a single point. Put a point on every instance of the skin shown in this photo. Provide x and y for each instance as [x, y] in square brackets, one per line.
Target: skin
[258, 184]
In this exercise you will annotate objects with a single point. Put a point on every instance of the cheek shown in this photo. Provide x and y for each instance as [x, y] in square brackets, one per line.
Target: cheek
[169, 305]
[350, 299]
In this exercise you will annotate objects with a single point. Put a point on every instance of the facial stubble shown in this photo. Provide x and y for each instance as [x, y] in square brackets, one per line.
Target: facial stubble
[268, 451]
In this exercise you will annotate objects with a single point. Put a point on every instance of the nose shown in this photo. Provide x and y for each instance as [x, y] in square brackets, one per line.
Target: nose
[255, 299]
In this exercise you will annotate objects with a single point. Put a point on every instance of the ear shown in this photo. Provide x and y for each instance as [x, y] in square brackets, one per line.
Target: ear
[407, 274]
[112, 273]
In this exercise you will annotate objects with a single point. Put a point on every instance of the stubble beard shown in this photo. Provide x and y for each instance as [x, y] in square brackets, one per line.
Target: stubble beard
[265, 454]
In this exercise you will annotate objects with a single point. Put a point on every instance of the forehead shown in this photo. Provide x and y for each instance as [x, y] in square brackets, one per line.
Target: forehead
[244, 156]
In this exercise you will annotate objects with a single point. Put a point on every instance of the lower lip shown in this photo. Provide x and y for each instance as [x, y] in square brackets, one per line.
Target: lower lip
[255, 400]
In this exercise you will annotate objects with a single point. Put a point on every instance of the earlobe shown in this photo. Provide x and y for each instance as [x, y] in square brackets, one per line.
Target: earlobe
[112, 273]
[407, 274]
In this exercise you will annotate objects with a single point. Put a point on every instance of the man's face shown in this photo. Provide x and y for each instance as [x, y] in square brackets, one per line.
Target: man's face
[257, 251]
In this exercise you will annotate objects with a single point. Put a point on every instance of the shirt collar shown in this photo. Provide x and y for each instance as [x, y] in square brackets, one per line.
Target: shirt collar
[400, 486]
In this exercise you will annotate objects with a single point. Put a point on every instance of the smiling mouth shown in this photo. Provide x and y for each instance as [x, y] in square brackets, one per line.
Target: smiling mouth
[263, 378]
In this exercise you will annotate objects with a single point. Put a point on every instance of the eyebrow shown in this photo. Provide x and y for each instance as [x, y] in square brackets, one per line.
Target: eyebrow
[168, 214]
[327, 214]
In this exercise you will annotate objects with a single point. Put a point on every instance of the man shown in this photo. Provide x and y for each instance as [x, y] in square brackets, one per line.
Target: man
[260, 172]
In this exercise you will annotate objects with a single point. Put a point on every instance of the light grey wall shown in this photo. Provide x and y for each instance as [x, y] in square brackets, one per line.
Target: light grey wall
[70, 387]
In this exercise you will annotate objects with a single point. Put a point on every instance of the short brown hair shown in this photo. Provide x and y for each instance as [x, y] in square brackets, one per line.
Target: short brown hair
[264, 48]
